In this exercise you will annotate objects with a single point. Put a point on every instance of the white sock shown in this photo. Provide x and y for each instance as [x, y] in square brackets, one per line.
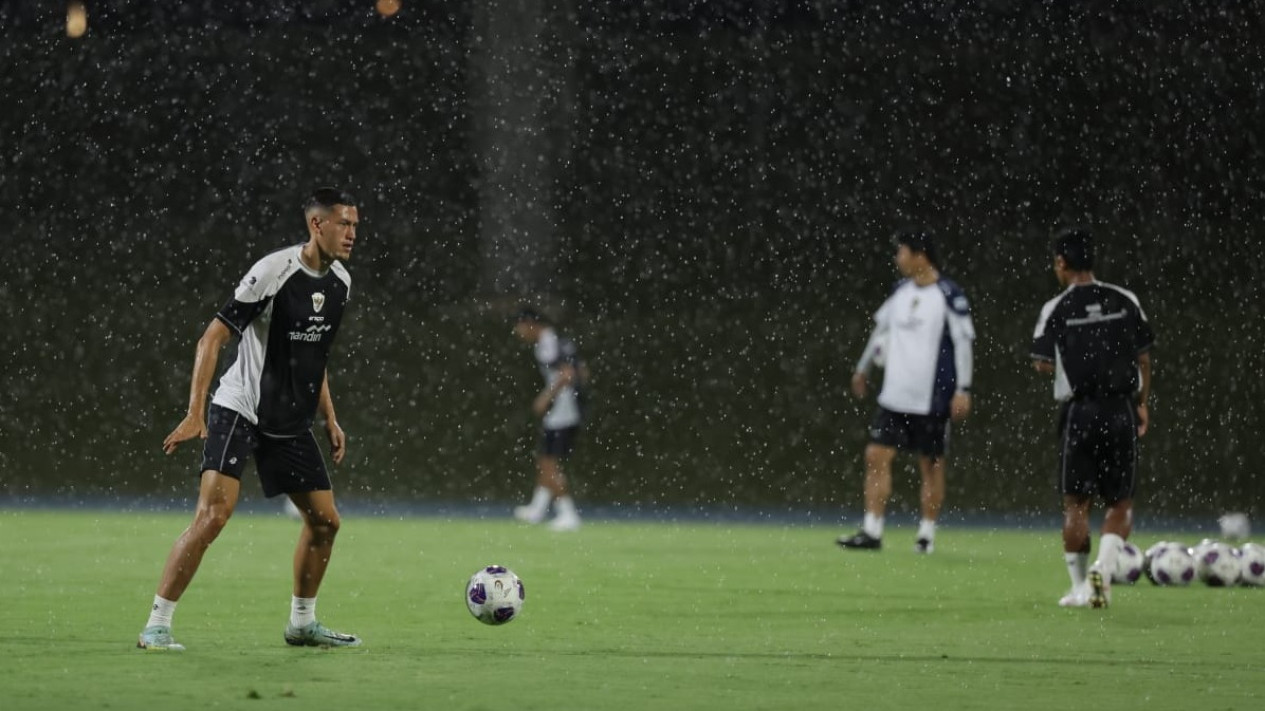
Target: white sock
[302, 611]
[161, 612]
[927, 529]
[540, 499]
[873, 525]
[1108, 549]
[1076, 567]
[566, 507]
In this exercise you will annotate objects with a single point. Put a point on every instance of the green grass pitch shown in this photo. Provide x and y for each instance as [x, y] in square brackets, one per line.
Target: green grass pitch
[621, 615]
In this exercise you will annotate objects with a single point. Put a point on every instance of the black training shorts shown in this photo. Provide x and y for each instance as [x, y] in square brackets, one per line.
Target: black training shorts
[285, 464]
[927, 435]
[558, 443]
[1098, 448]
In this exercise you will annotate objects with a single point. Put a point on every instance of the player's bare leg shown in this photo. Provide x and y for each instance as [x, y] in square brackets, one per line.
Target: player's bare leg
[548, 480]
[1117, 524]
[316, 540]
[311, 558]
[1076, 547]
[552, 478]
[217, 499]
[878, 478]
[878, 489]
[549, 475]
[931, 500]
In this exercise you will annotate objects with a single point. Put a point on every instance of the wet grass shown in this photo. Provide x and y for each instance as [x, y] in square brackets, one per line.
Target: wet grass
[620, 616]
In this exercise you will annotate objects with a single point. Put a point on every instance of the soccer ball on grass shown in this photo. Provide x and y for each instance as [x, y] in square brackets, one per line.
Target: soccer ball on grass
[1169, 563]
[1217, 564]
[1128, 565]
[1252, 565]
[495, 595]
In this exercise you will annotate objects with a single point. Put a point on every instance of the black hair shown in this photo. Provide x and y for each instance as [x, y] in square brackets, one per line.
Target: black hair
[921, 242]
[326, 198]
[527, 313]
[1076, 246]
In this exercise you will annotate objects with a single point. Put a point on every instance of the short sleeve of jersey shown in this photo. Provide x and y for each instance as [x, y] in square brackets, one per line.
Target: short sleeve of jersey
[252, 295]
[1043, 336]
[883, 317]
[1143, 335]
[547, 350]
[959, 309]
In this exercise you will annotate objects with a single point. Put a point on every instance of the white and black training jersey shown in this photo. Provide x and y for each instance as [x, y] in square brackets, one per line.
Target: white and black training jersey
[1093, 333]
[287, 316]
[925, 335]
[552, 352]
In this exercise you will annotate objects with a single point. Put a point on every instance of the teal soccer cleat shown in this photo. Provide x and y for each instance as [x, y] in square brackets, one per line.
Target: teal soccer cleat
[318, 635]
[158, 639]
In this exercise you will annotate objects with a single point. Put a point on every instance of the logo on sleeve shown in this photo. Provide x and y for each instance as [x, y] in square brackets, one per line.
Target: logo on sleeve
[318, 300]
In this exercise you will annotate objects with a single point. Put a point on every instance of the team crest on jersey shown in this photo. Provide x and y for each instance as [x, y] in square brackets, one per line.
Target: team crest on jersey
[318, 300]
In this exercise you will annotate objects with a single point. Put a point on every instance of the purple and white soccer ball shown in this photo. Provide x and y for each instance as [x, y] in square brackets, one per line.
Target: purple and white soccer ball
[495, 595]
[1150, 554]
[1235, 526]
[1169, 563]
[1252, 565]
[1128, 565]
[1217, 564]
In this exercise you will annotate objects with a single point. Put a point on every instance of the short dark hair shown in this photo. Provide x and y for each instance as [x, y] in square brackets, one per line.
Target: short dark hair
[1076, 246]
[326, 198]
[922, 242]
[527, 313]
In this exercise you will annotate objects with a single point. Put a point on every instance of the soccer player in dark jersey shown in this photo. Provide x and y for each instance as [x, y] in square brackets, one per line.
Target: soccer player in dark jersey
[559, 405]
[1096, 341]
[285, 312]
[925, 333]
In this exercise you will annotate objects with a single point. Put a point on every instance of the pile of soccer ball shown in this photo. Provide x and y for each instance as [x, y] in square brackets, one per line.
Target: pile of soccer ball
[1214, 563]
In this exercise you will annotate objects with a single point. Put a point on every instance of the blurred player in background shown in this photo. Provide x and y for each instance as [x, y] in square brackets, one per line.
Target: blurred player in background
[560, 407]
[1096, 341]
[924, 333]
[286, 311]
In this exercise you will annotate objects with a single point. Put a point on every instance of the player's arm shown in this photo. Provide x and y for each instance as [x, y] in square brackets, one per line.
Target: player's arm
[204, 361]
[1144, 393]
[962, 333]
[337, 438]
[861, 372]
[1042, 350]
[566, 375]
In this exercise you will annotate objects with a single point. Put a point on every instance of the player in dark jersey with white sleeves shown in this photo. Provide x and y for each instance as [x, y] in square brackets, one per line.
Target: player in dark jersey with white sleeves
[925, 333]
[286, 312]
[1095, 339]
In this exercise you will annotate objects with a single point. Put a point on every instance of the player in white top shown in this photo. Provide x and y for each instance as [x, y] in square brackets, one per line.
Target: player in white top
[285, 313]
[560, 407]
[924, 333]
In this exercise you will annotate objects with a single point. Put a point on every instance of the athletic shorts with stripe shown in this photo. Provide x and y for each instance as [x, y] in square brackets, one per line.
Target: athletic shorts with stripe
[1098, 448]
[285, 464]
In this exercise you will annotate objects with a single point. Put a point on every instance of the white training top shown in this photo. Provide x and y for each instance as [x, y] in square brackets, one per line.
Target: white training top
[925, 334]
[551, 354]
[286, 316]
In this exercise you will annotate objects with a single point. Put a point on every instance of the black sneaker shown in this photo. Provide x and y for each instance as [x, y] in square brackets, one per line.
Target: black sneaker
[924, 545]
[861, 541]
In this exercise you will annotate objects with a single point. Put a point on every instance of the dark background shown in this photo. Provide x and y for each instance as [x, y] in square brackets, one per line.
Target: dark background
[702, 193]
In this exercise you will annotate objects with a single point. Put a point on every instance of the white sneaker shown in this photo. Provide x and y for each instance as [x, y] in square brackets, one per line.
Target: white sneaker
[1076, 597]
[527, 514]
[1100, 587]
[565, 523]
